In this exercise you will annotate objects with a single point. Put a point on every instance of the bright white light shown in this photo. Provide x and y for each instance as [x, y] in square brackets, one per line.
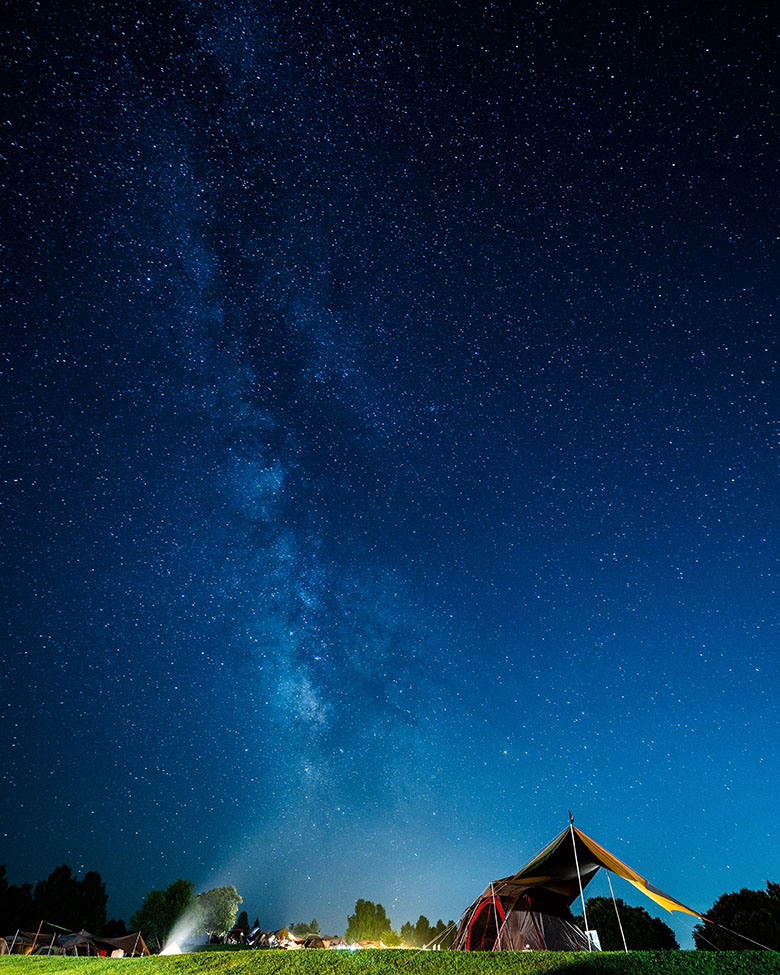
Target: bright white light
[186, 930]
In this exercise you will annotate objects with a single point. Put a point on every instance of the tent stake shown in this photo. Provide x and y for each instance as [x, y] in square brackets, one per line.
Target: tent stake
[579, 878]
[620, 923]
[439, 937]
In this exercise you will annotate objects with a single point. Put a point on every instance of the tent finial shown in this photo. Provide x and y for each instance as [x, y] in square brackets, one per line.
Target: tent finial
[571, 818]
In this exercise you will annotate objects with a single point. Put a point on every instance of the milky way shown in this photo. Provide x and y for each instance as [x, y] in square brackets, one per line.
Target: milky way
[390, 448]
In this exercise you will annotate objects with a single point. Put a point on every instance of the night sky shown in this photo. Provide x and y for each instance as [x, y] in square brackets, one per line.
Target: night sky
[390, 445]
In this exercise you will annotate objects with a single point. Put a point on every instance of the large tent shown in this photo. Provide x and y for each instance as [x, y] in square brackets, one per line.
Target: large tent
[532, 908]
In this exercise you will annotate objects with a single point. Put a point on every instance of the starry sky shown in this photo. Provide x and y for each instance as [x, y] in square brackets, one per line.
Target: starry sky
[389, 447]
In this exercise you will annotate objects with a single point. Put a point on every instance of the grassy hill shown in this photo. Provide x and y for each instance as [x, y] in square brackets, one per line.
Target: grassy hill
[406, 963]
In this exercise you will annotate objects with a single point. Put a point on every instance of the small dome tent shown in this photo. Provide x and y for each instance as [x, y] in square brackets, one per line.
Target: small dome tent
[532, 908]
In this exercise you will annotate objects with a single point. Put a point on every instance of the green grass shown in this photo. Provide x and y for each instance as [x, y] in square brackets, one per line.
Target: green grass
[406, 963]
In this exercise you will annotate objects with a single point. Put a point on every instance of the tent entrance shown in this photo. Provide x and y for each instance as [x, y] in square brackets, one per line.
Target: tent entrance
[485, 925]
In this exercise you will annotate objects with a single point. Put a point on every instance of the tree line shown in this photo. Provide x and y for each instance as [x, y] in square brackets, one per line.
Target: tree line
[64, 901]
[743, 919]
[753, 914]
[61, 899]
[642, 931]
[371, 923]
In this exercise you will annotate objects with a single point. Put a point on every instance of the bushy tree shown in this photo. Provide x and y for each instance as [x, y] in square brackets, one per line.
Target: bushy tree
[753, 914]
[216, 909]
[643, 932]
[307, 929]
[161, 910]
[370, 923]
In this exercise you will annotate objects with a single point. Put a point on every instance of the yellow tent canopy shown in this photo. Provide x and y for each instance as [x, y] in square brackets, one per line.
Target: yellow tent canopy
[555, 868]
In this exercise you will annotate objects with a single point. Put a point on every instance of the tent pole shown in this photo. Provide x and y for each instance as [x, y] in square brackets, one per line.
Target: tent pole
[136, 944]
[506, 920]
[495, 913]
[11, 949]
[617, 912]
[579, 878]
[35, 939]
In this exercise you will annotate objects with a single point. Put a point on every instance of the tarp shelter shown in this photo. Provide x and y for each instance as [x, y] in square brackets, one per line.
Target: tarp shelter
[23, 942]
[81, 943]
[532, 908]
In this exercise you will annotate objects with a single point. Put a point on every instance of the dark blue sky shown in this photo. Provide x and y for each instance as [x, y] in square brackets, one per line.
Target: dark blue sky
[390, 448]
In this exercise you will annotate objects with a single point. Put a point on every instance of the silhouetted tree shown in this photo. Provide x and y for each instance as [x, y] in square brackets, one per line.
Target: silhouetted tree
[754, 914]
[17, 907]
[304, 929]
[60, 899]
[243, 921]
[115, 928]
[3, 890]
[643, 932]
[161, 910]
[444, 940]
[92, 902]
[423, 932]
[57, 898]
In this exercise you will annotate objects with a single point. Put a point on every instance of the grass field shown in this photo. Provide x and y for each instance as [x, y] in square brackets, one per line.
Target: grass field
[406, 963]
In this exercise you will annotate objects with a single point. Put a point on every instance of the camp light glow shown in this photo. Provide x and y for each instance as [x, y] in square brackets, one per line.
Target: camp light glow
[171, 948]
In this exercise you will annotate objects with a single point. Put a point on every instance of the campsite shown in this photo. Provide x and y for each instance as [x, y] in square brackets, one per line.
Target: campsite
[521, 923]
